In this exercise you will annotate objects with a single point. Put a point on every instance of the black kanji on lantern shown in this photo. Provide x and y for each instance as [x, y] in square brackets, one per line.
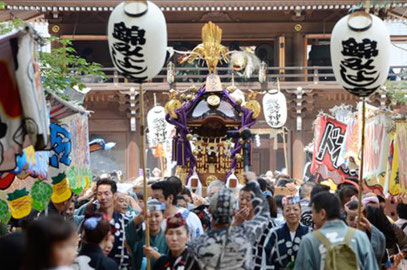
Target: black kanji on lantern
[132, 35]
[160, 130]
[127, 51]
[357, 68]
[274, 116]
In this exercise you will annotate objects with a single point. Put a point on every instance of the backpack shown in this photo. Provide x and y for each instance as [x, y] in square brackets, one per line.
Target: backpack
[340, 256]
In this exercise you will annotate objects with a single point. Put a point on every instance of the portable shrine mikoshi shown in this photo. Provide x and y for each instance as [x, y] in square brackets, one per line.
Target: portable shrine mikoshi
[213, 137]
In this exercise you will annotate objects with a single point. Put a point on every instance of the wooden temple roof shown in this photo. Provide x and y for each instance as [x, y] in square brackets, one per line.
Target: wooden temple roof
[187, 5]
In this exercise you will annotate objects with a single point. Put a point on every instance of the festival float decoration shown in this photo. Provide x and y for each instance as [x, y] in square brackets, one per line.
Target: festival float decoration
[245, 62]
[60, 189]
[360, 50]
[5, 214]
[20, 125]
[28, 163]
[137, 36]
[41, 193]
[20, 203]
[213, 137]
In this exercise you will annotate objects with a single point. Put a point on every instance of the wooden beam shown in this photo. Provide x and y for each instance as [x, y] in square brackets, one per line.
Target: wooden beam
[305, 56]
[85, 37]
[393, 38]
[318, 36]
[111, 125]
[281, 46]
[192, 31]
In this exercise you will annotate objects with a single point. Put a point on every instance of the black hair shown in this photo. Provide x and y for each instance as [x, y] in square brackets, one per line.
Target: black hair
[381, 199]
[167, 189]
[402, 210]
[353, 205]
[327, 201]
[282, 182]
[185, 226]
[200, 211]
[279, 200]
[96, 235]
[179, 197]
[263, 183]
[272, 205]
[140, 195]
[176, 183]
[347, 192]
[187, 192]
[109, 182]
[264, 186]
[41, 235]
[12, 248]
[305, 188]
[317, 189]
[253, 188]
[378, 218]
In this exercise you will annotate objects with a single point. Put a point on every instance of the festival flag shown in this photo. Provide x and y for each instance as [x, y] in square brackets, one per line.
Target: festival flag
[328, 140]
[401, 133]
[376, 150]
[393, 167]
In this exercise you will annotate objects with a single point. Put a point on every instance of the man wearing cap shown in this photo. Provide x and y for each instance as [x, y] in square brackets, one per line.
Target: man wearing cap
[135, 235]
[226, 246]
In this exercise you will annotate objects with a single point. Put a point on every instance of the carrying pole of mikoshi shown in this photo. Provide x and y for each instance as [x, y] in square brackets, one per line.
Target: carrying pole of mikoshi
[362, 147]
[143, 166]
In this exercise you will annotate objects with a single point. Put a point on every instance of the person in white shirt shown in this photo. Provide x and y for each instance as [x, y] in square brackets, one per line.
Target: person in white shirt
[164, 192]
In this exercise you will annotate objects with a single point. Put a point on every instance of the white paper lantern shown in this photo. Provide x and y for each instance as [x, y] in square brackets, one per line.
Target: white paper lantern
[360, 53]
[275, 109]
[159, 130]
[137, 35]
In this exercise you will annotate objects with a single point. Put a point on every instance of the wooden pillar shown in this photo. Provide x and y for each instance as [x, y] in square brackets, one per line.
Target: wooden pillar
[298, 49]
[298, 159]
[281, 46]
[272, 155]
[305, 56]
[133, 155]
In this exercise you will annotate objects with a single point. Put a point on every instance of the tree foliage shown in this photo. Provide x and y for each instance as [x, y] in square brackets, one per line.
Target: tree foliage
[61, 68]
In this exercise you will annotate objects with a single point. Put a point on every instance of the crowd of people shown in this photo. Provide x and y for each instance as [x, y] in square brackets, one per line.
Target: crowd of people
[250, 226]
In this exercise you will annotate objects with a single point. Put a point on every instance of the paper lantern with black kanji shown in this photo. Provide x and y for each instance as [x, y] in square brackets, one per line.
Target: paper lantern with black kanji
[137, 35]
[159, 130]
[360, 53]
[275, 109]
